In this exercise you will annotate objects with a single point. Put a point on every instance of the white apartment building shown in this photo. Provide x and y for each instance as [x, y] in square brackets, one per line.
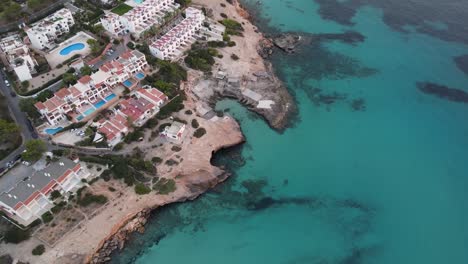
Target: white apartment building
[16, 55]
[139, 19]
[43, 33]
[90, 90]
[172, 44]
[143, 104]
[30, 198]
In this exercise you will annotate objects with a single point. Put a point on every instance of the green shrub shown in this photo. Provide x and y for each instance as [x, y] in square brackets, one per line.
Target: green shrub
[119, 146]
[55, 194]
[201, 59]
[195, 123]
[142, 189]
[199, 132]
[164, 186]
[234, 56]
[15, 235]
[232, 27]
[39, 250]
[111, 189]
[89, 199]
[106, 175]
[176, 148]
[156, 160]
[47, 217]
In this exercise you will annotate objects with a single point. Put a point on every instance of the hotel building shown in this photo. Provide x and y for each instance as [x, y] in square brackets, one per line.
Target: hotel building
[90, 93]
[139, 19]
[16, 55]
[30, 198]
[43, 33]
[172, 44]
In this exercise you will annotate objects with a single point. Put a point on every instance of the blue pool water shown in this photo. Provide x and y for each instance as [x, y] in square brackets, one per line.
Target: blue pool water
[138, 1]
[100, 103]
[89, 111]
[110, 97]
[52, 131]
[140, 75]
[127, 83]
[80, 117]
[69, 49]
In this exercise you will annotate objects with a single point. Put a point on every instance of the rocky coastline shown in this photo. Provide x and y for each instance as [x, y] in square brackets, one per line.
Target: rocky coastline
[264, 82]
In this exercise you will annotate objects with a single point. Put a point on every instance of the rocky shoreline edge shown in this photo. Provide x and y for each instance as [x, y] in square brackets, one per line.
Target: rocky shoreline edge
[136, 222]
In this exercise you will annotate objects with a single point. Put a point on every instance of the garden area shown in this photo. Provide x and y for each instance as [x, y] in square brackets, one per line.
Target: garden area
[121, 9]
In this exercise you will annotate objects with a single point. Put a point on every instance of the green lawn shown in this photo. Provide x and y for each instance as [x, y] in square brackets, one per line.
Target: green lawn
[121, 9]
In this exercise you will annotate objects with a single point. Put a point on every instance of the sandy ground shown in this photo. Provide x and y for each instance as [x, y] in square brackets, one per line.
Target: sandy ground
[246, 47]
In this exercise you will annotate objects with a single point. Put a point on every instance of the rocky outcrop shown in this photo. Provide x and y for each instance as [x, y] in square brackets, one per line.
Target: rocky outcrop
[287, 42]
[116, 241]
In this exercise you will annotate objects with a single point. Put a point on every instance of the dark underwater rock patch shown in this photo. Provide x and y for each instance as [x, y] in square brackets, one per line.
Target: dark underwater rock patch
[397, 14]
[336, 11]
[349, 37]
[358, 104]
[462, 63]
[443, 92]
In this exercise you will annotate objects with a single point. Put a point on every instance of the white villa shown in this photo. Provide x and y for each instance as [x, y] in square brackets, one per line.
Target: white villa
[30, 198]
[16, 55]
[139, 19]
[175, 131]
[172, 44]
[43, 33]
[91, 92]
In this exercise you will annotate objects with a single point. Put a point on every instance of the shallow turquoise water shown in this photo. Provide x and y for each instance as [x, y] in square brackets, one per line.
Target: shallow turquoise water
[386, 183]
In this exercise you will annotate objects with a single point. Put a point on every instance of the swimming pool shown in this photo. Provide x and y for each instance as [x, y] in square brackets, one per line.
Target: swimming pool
[109, 97]
[100, 103]
[128, 83]
[140, 75]
[69, 49]
[138, 1]
[52, 131]
[87, 112]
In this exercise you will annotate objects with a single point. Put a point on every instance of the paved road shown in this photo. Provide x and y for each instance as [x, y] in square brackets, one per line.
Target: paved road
[17, 115]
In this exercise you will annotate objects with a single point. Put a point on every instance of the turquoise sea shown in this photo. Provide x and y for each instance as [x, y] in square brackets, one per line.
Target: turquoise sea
[373, 170]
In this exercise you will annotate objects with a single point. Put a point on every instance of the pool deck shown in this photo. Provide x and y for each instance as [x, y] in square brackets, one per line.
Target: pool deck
[85, 118]
[54, 58]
